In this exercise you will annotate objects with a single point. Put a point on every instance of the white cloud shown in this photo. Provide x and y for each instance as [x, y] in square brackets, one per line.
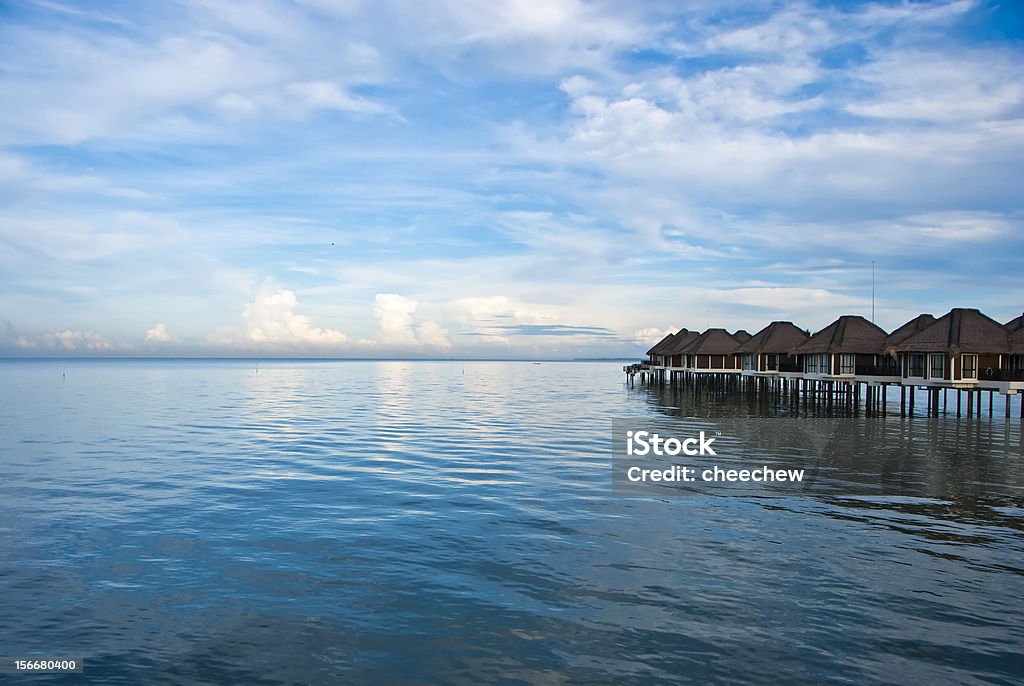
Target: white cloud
[784, 298]
[91, 236]
[493, 309]
[394, 319]
[158, 333]
[324, 94]
[394, 315]
[941, 87]
[794, 31]
[270, 319]
[433, 334]
[71, 341]
[651, 335]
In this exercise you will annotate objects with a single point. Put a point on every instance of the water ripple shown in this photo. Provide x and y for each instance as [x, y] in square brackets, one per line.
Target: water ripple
[319, 522]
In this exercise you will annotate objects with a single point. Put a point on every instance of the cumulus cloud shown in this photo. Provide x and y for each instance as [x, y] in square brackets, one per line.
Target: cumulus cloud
[394, 319]
[68, 340]
[395, 326]
[271, 319]
[158, 333]
[433, 334]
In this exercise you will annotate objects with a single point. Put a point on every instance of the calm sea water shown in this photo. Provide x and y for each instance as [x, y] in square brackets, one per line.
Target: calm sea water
[441, 522]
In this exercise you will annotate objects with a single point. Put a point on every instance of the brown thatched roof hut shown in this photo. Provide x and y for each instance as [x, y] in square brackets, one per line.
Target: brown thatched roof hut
[712, 342]
[960, 330]
[660, 344]
[849, 334]
[911, 328]
[742, 336]
[681, 340]
[778, 338]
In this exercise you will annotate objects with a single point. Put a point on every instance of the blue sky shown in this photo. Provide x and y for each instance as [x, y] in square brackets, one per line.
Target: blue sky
[468, 178]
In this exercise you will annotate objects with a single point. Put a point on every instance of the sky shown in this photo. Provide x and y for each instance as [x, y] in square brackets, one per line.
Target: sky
[521, 179]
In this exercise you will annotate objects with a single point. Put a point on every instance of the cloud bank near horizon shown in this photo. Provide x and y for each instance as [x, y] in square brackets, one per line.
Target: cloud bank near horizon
[550, 179]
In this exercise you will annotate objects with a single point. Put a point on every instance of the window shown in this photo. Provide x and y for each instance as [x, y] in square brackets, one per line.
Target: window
[773, 363]
[816, 364]
[748, 363]
[847, 363]
[937, 366]
[970, 366]
[916, 366]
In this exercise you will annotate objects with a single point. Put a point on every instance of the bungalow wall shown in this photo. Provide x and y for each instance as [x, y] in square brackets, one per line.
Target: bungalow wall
[713, 362]
[843, 364]
[769, 362]
[944, 367]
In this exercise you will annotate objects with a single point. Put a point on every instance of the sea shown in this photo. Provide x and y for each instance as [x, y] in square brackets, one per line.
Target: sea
[450, 522]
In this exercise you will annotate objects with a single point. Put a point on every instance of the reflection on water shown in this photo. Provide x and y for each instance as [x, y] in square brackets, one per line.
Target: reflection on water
[412, 522]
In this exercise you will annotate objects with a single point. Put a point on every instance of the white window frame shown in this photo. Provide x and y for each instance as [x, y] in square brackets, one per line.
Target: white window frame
[964, 366]
[843, 359]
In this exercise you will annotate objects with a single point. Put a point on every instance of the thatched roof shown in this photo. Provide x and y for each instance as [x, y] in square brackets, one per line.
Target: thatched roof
[660, 344]
[682, 340]
[712, 342]
[848, 334]
[742, 336]
[1017, 341]
[1015, 324]
[911, 328]
[958, 331]
[778, 338]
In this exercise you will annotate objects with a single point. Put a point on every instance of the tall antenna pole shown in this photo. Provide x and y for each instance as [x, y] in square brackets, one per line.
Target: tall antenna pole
[872, 291]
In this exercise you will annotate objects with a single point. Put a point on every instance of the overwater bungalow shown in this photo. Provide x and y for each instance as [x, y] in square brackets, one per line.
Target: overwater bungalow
[666, 353]
[655, 356]
[712, 351]
[767, 351]
[962, 349]
[674, 352]
[911, 328]
[890, 362]
[844, 347]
